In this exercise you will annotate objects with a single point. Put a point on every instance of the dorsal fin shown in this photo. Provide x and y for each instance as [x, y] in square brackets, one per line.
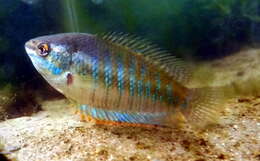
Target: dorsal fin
[172, 65]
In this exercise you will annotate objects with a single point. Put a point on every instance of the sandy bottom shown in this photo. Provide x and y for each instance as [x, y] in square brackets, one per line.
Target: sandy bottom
[57, 134]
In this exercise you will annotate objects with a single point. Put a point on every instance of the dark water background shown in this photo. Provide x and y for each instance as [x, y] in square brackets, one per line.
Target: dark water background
[194, 30]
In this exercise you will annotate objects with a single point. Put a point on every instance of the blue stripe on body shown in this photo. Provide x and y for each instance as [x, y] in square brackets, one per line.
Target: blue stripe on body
[156, 96]
[55, 70]
[132, 84]
[111, 116]
[81, 63]
[148, 89]
[108, 72]
[55, 56]
[83, 108]
[132, 77]
[47, 65]
[139, 88]
[94, 112]
[145, 118]
[143, 72]
[95, 68]
[120, 76]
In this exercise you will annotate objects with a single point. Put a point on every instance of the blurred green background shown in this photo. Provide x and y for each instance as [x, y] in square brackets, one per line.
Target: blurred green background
[195, 30]
[201, 29]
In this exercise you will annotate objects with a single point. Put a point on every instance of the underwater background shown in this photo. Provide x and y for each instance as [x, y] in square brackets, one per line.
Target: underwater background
[200, 30]
[197, 31]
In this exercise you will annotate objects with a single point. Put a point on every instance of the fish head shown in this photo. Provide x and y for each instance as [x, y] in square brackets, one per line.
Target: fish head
[51, 56]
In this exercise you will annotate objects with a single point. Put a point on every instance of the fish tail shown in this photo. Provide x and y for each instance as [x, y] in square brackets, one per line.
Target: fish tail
[204, 105]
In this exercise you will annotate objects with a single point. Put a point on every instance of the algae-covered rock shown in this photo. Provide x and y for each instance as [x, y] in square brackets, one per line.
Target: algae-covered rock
[16, 103]
[6, 97]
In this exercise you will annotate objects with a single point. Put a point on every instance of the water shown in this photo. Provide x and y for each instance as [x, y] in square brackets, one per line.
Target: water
[217, 37]
[72, 15]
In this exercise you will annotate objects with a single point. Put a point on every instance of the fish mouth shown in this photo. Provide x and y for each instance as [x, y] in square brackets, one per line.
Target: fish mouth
[30, 44]
[30, 47]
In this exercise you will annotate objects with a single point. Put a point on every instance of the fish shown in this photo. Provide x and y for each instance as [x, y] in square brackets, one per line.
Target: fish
[122, 79]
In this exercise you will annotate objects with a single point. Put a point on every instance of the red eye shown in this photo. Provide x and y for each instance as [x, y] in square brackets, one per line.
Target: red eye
[43, 49]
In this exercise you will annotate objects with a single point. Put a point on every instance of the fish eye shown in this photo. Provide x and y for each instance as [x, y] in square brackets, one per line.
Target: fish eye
[44, 49]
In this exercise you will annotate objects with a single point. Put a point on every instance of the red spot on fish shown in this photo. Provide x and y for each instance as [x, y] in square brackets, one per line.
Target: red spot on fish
[69, 79]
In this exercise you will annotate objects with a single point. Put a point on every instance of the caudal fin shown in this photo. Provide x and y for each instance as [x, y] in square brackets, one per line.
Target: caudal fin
[204, 105]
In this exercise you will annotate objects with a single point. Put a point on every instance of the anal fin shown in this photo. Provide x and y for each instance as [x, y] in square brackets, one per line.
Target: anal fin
[88, 118]
[106, 117]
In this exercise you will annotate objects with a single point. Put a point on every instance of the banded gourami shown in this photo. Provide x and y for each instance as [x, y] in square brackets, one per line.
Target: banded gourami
[122, 78]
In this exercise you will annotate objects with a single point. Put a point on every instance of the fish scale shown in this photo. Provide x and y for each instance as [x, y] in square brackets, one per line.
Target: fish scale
[123, 78]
